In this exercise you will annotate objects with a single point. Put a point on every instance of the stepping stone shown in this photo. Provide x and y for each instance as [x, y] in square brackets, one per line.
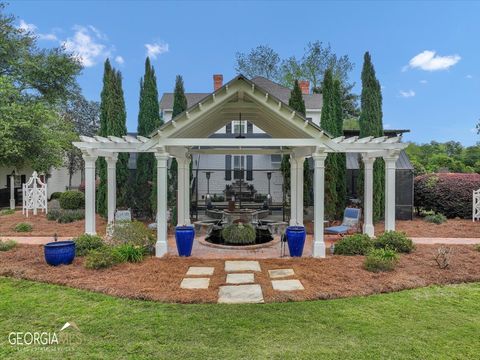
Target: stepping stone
[195, 283]
[279, 273]
[287, 285]
[199, 270]
[232, 266]
[240, 294]
[240, 278]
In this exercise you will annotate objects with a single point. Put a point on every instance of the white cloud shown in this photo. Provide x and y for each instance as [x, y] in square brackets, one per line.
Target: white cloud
[423, 81]
[26, 27]
[430, 61]
[31, 28]
[49, 37]
[86, 45]
[469, 76]
[155, 49]
[119, 60]
[407, 94]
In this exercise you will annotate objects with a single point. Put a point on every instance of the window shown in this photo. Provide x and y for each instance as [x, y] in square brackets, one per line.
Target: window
[238, 166]
[276, 159]
[228, 167]
[249, 167]
[228, 128]
[239, 127]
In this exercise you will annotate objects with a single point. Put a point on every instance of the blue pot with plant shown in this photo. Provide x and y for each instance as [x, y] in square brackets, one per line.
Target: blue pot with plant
[296, 240]
[184, 236]
[59, 252]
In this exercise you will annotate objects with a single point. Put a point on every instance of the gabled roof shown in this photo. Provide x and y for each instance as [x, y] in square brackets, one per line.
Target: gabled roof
[282, 93]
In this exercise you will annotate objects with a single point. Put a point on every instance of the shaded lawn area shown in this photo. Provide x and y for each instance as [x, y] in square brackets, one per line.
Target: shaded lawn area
[439, 322]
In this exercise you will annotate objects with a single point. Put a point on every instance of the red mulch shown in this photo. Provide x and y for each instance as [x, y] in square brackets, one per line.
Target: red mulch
[159, 279]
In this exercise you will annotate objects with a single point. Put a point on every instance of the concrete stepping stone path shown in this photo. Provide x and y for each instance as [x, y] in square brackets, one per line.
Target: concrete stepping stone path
[240, 278]
[235, 266]
[195, 283]
[287, 285]
[240, 294]
[279, 273]
[200, 270]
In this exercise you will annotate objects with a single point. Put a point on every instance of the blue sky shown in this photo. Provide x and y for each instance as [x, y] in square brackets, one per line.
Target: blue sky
[426, 54]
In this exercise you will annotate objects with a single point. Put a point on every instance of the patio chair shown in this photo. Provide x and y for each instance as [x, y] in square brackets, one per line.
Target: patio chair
[351, 222]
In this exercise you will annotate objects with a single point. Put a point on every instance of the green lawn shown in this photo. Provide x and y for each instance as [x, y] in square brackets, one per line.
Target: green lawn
[429, 323]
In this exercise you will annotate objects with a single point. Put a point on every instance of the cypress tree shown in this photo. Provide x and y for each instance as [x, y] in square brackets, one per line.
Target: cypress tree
[328, 122]
[148, 121]
[341, 181]
[371, 125]
[296, 99]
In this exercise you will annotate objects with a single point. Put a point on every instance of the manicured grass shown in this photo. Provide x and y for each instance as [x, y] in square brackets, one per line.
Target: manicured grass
[428, 323]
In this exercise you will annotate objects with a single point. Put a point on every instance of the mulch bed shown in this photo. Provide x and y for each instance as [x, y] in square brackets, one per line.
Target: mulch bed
[159, 279]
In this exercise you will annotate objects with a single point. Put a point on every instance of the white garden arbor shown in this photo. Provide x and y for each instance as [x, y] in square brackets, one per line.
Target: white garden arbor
[290, 133]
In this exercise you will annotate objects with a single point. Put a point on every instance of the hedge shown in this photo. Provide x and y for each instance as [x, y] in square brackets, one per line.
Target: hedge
[72, 200]
[449, 194]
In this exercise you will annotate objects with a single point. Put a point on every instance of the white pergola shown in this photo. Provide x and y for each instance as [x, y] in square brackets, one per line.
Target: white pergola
[291, 133]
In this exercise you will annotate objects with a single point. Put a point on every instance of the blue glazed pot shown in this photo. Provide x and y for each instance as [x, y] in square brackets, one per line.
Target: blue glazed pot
[184, 236]
[296, 240]
[59, 252]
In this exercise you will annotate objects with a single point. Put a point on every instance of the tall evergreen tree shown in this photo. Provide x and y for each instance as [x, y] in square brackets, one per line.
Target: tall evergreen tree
[328, 122]
[112, 122]
[296, 99]
[341, 181]
[148, 121]
[371, 125]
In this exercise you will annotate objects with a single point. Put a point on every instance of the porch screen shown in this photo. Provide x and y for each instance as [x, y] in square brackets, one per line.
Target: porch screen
[228, 167]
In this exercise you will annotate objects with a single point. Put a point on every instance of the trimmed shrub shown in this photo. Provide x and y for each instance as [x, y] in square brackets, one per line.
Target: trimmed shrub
[54, 214]
[129, 253]
[56, 195]
[72, 200]
[101, 258]
[6, 245]
[134, 233]
[68, 216]
[85, 243]
[239, 234]
[449, 194]
[397, 241]
[23, 227]
[356, 244]
[381, 260]
[7, 212]
[435, 218]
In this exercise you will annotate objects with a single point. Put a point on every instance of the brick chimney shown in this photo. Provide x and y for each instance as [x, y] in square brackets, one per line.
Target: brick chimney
[304, 86]
[217, 81]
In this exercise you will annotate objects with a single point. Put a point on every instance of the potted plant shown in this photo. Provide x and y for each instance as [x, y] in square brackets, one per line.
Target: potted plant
[184, 236]
[296, 240]
[59, 252]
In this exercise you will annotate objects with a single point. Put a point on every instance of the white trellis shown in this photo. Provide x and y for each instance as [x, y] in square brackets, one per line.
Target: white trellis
[476, 205]
[34, 195]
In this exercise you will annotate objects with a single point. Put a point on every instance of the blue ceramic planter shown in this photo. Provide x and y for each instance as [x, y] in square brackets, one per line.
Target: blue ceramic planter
[296, 240]
[184, 236]
[59, 252]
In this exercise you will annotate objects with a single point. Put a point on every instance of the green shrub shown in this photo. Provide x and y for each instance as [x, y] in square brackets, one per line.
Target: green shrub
[7, 212]
[6, 245]
[134, 233]
[54, 214]
[23, 227]
[56, 195]
[66, 216]
[129, 253]
[381, 260]
[72, 200]
[101, 258]
[239, 234]
[477, 247]
[356, 244]
[397, 241]
[435, 218]
[85, 243]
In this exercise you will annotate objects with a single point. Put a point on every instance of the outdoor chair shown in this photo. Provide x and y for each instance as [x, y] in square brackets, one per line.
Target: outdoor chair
[351, 222]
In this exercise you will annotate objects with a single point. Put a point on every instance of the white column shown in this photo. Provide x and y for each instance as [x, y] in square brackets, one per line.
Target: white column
[90, 194]
[390, 170]
[187, 191]
[299, 212]
[368, 195]
[111, 185]
[12, 192]
[181, 190]
[319, 199]
[161, 246]
[293, 190]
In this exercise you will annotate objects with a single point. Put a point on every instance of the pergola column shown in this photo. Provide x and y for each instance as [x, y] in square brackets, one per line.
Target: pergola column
[162, 236]
[181, 190]
[390, 172]
[187, 191]
[368, 195]
[90, 227]
[319, 199]
[111, 186]
[293, 190]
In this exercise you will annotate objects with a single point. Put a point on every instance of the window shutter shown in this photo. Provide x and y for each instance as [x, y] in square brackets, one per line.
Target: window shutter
[229, 128]
[23, 179]
[8, 181]
[249, 167]
[228, 167]
[249, 128]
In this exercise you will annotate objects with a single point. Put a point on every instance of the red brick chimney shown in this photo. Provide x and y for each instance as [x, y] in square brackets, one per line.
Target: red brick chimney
[217, 81]
[304, 86]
